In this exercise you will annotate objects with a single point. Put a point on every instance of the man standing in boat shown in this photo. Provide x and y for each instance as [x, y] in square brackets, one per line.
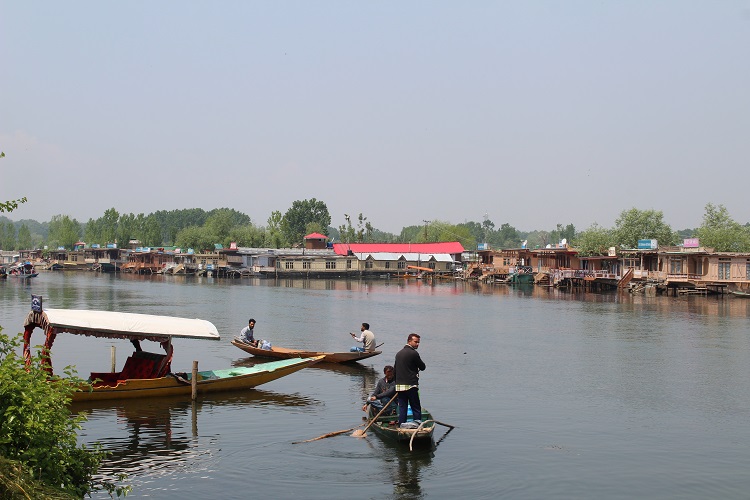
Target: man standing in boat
[367, 338]
[407, 367]
[246, 335]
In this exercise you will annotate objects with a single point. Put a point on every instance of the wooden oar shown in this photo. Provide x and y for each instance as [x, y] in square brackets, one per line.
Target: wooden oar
[359, 433]
[330, 434]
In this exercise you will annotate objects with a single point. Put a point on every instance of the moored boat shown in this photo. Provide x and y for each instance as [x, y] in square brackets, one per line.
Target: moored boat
[287, 353]
[416, 432]
[740, 293]
[148, 374]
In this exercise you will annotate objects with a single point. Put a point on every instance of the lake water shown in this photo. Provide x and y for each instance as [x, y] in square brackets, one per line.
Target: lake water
[553, 394]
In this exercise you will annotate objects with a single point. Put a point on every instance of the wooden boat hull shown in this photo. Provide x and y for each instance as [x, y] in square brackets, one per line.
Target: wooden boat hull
[208, 381]
[385, 428]
[744, 295]
[285, 353]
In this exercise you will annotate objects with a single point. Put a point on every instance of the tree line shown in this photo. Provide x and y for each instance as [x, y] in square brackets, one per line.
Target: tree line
[200, 229]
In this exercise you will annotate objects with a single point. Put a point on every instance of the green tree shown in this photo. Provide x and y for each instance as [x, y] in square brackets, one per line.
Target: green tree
[8, 236]
[195, 237]
[274, 237]
[24, 238]
[151, 233]
[477, 232]
[562, 233]
[218, 225]
[488, 227]
[633, 225]
[410, 234]
[437, 231]
[37, 428]
[127, 229]
[302, 213]
[721, 232]
[507, 237]
[64, 231]
[108, 226]
[248, 236]
[92, 233]
[595, 240]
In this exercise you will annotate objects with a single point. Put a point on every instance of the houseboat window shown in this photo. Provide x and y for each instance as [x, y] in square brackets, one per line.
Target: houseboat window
[387, 265]
[431, 265]
[278, 264]
[675, 266]
[401, 264]
[330, 264]
[306, 264]
[747, 271]
[724, 268]
[448, 266]
[349, 263]
[368, 264]
[289, 264]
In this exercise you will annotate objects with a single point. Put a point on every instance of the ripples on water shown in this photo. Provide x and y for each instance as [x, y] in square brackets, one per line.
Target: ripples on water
[555, 394]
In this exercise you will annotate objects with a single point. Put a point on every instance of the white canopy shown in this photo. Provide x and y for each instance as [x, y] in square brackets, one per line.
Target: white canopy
[128, 325]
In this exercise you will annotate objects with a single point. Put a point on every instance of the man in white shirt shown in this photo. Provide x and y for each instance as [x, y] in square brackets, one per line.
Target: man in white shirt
[367, 338]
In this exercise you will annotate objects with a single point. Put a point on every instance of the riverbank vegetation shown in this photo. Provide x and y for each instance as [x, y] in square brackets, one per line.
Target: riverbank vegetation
[39, 453]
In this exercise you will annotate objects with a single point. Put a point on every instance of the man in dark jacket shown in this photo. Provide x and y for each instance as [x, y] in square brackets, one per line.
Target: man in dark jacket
[407, 366]
[384, 391]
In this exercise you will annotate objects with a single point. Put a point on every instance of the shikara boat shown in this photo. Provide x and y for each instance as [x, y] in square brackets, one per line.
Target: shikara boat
[23, 270]
[286, 353]
[387, 426]
[148, 374]
[738, 293]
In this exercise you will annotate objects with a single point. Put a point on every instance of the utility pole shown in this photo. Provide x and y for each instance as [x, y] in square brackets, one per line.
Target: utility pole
[425, 229]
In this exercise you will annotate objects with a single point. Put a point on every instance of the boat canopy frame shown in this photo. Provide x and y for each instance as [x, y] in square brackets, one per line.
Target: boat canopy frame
[113, 325]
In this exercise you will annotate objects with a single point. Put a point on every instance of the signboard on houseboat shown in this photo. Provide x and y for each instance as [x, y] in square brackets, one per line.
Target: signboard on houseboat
[647, 245]
[691, 243]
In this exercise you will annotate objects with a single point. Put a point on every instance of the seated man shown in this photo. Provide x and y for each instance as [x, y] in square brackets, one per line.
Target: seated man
[384, 392]
[246, 334]
[367, 338]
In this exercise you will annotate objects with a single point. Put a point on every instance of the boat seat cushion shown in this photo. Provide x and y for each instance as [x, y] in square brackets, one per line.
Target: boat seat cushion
[140, 365]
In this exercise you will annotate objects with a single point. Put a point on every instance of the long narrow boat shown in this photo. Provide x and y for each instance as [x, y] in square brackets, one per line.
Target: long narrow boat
[286, 353]
[148, 374]
[739, 293]
[387, 426]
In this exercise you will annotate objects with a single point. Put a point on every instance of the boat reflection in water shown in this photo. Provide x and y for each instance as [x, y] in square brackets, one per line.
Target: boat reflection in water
[160, 436]
[405, 468]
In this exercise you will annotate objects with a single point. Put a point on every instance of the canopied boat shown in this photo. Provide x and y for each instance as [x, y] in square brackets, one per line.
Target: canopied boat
[148, 374]
[287, 353]
[22, 270]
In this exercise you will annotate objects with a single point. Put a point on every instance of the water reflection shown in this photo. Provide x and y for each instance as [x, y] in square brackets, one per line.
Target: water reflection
[162, 434]
[406, 469]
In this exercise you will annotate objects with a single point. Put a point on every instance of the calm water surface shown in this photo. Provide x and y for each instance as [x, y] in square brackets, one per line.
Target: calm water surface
[553, 394]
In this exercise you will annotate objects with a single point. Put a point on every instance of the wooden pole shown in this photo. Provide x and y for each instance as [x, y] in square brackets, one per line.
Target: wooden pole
[112, 350]
[194, 381]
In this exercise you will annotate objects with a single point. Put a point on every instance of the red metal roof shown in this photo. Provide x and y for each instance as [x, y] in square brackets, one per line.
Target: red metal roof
[451, 247]
[316, 236]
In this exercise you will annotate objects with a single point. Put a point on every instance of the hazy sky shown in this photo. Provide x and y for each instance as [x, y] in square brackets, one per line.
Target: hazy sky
[531, 112]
